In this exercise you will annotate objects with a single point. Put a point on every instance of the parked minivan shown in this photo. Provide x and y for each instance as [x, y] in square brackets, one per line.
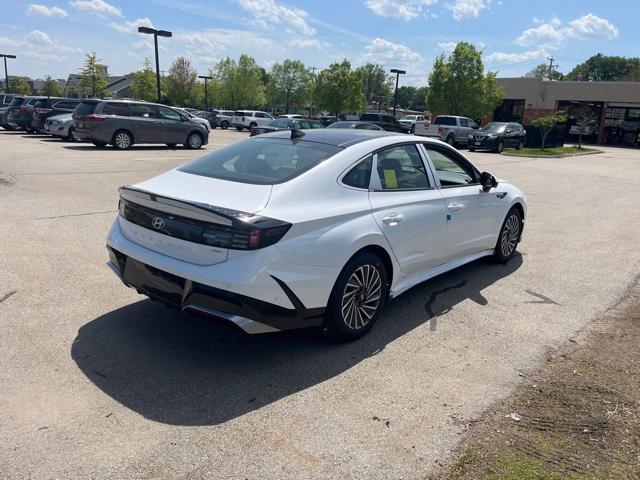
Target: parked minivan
[249, 118]
[123, 123]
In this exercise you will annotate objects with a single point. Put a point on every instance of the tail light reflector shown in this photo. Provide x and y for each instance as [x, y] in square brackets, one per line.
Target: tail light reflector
[94, 118]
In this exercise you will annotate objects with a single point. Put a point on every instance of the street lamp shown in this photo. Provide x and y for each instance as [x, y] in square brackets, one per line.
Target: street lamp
[156, 34]
[206, 94]
[395, 95]
[6, 75]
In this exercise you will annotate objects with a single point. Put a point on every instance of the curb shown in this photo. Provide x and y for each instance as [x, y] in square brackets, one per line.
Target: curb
[591, 152]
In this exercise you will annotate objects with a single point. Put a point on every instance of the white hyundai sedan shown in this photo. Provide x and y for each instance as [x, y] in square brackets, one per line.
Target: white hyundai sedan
[311, 228]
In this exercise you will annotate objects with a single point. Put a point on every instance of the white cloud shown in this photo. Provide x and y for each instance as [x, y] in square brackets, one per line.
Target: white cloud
[132, 26]
[300, 42]
[99, 7]
[504, 57]
[39, 37]
[36, 9]
[40, 47]
[404, 9]
[467, 8]
[381, 50]
[553, 33]
[267, 14]
[447, 46]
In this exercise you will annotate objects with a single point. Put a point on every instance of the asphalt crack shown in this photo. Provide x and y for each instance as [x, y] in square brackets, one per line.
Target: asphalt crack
[5, 297]
[75, 215]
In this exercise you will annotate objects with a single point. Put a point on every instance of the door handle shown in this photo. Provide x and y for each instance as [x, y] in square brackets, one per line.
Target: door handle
[392, 219]
[454, 207]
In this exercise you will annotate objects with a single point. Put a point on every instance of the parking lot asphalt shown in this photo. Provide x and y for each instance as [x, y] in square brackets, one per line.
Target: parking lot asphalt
[96, 381]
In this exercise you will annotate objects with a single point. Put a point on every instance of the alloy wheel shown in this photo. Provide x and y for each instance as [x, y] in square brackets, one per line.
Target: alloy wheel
[195, 141]
[123, 141]
[510, 235]
[361, 296]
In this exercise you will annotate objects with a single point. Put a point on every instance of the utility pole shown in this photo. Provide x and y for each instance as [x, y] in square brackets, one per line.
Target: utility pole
[551, 60]
[156, 34]
[6, 75]
[395, 95]
[206, 93]
[313, 70]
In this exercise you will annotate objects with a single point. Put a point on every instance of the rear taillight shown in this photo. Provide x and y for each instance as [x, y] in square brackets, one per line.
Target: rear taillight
[22, 109]
[94, 118]
[244, 237]
[440, 130]
[43, 110]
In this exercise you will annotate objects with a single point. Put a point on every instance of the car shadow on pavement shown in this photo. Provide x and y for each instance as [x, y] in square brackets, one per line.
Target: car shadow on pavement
[181, 370]
[110, 148]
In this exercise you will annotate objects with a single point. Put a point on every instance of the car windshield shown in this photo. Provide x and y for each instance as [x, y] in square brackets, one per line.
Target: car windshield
[261, 161]
[281, 123]
[494, 127]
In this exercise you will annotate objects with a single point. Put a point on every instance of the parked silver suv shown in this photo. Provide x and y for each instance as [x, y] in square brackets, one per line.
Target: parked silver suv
[249, 119]
[125, 122]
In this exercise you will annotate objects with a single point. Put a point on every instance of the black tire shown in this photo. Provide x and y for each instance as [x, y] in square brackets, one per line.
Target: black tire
[520, 145]
[8, 128]
[354, 323]
[213, 127]
[224, 125]
[239, 129]
[171, 145]
[194, 141]
[500, 147]
[122, 140]
[70, 137]
[252, 125]
[100, 144]
[471, 149]
[509, 236]
[451, 140]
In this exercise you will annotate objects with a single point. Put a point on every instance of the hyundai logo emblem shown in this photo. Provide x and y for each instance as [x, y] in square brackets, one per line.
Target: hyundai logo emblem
[157, 223]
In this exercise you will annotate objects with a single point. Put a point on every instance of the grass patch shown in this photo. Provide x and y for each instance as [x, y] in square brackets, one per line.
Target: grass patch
[552, 152]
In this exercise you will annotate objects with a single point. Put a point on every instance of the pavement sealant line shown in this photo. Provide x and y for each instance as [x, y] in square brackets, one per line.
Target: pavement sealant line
[75, 215]
[11, 293]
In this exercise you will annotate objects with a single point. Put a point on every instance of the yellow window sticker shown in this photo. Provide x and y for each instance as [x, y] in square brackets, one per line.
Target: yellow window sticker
[390, 179]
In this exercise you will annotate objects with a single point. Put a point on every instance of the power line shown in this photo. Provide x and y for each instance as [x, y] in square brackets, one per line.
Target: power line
[525, 62]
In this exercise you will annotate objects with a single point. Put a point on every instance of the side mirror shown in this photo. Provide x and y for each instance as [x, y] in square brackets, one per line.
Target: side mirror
[488, 181]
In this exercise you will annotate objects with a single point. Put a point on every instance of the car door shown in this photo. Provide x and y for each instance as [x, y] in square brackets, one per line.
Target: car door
[407, 207]
[472, 213]
[144, 122]
[174, 130]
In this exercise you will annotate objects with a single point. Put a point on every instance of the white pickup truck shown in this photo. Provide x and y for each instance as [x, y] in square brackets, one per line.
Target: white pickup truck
[448, 128]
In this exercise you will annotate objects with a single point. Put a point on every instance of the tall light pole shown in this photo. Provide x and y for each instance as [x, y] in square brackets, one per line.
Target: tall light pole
[6, 75]
[156, 34]
[395, 95]
[206, 93]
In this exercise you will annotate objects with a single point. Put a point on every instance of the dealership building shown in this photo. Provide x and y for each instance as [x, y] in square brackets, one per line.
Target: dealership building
[611, 108]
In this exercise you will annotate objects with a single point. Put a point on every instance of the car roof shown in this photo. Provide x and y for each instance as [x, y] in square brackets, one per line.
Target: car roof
[336, 136]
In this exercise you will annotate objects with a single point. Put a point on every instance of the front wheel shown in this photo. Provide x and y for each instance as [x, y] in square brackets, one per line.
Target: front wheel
[357, 297]
[500, 147]
[451, 140]
[194, 141]
[471, 149]
[224, 125]
[509, 236]
[70, 137]
[520, 145]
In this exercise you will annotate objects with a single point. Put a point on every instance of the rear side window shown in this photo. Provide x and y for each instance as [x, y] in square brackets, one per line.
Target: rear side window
[85, 108]
[120, 109]
[359, 175]
[369, 117]
[144, 111]
[388, 119]
[445, 121]
[281, 123]
[238, 113]
[67, 105]
[401, 168]
[262, 161]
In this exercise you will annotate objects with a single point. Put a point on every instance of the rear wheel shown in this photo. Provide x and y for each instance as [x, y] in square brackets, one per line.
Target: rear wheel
[471, 149]
[451, 140]
[357, 297]
[122, 140]
[224, 125]
[70, 136]
[509, 236]
[252, 125]
[500, 147]
[194, 141]
[520, 145]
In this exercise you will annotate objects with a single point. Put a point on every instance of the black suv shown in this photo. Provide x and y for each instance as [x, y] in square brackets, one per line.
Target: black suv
[20, 111]
[49, 107]
[497, 136]
[387, 122]
[5, 100]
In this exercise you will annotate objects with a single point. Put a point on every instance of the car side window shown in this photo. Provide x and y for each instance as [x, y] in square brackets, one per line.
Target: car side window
[169, 114]
[120, 109]
[451, 170]
[359, 176]
[401, 168]
[144, 111]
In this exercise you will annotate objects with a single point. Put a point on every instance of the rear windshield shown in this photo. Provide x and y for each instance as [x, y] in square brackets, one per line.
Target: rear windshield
[85, 108]
[445, 121]
[261, 161]
[17, 101]
[281, 123]
[46, 102]
[369, 117]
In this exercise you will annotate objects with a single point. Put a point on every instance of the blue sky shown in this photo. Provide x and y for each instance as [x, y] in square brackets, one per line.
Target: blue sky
[50, 37]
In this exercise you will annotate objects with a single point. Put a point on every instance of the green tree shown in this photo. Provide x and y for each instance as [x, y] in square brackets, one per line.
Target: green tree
[542, 71]
[238, 84]
[338, 89]
[52, 88]
[376, 83]
[19, 85]
[603, 67]
[582, 125]
[181, 83]
[145, 87]
[288, 83]
[459, 86]
[546, 123]
[94, 76]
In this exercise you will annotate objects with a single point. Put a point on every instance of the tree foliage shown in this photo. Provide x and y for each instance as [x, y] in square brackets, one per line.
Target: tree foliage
[542, 71]
[238, 84]
[94, 76]
[288, 82]
[51, 88]
[603, 67]
[145, 87]
[182, 89]
[376, 83]
[413, 98]
[19, 85]
[459, 86]
[546, 123]
[338, 89]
